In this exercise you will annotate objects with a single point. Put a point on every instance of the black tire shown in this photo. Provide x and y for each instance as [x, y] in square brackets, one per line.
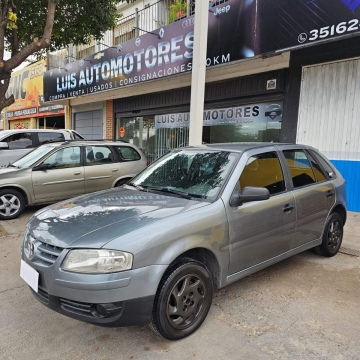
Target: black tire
[12, 204]
[121, 182]
[186, 283]
[332, 236]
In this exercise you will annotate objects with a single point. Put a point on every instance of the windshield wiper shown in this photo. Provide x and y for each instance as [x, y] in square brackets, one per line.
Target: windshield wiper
[170, 191]
[137, 187]
[11, 165]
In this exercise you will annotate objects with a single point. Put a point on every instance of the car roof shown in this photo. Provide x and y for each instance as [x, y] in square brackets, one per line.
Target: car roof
[13, 131]
[88, 142]
[242, 147]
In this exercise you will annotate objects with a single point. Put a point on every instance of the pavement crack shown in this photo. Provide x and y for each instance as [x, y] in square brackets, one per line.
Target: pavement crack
[14, 288]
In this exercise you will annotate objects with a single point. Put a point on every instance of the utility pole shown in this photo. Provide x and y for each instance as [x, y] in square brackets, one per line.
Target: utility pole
[198, 72]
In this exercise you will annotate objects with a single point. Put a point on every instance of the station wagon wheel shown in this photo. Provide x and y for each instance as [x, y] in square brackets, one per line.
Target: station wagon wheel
[332, 236]
[183, 300]
[121, 182]
[12, 204]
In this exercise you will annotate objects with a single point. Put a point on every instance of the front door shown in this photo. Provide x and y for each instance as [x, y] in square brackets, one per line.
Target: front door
[64, 180]
[261, 230]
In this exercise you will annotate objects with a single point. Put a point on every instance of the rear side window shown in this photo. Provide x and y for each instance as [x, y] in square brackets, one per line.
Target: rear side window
[19, 141]
[128, 153]
[324, 164]
[99, 155]
[46, 137]
[263, 170]
[301, 171]
[319, 172]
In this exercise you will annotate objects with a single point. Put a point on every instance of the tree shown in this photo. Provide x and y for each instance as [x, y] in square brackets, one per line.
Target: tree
[31, 27]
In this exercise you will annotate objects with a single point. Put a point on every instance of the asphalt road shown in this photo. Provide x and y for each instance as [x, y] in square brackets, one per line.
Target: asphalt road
[306, 307]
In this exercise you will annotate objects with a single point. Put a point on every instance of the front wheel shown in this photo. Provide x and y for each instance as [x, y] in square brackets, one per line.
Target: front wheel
[332, 236]
[183, 300]
[12, 204]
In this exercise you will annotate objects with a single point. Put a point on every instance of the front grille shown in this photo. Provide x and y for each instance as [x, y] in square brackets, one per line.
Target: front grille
[76, 307]
[47, 254]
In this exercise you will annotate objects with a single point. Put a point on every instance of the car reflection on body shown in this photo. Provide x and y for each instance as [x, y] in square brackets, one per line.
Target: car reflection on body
[197, 219]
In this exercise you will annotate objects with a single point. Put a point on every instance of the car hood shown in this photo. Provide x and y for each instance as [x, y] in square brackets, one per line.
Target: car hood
[95, 219]
[6, 170]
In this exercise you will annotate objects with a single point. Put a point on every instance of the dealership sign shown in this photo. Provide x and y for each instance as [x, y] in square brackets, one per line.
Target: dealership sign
[266, 113]
[237, 29]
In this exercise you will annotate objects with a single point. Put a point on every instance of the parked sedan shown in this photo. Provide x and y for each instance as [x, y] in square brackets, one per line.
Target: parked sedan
[195, 220]
[58, 171]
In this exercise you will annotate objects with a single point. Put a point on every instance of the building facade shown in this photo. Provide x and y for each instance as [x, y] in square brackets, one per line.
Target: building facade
[271, 76]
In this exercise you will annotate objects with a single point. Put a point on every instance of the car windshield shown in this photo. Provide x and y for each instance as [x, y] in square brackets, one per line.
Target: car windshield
[193, 174]
[32, 157]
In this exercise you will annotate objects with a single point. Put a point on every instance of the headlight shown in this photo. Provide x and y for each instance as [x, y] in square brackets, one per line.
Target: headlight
[97, 261]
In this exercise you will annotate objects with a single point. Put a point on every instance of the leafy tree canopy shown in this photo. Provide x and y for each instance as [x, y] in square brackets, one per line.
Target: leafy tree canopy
[30, 27]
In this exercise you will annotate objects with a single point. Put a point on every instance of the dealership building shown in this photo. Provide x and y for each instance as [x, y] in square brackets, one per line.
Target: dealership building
[272, 75]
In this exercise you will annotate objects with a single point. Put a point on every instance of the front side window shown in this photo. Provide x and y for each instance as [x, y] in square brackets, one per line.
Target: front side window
[301, 171]
[199, 174]
[64, 158]
[263, 170]
[99, 155]
[20, 141]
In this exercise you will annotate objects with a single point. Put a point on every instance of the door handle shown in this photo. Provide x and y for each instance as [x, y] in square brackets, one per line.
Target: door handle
[77, 172]
[288, 207]
[330, 193]
[114, 170]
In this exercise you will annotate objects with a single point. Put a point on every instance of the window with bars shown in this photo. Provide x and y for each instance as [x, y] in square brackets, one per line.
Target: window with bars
[125, 31]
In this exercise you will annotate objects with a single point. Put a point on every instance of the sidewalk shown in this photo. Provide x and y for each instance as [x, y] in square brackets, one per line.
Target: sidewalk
[351, 241]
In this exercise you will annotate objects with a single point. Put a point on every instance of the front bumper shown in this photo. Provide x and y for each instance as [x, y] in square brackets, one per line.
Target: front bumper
[123, 313]
[116, 299]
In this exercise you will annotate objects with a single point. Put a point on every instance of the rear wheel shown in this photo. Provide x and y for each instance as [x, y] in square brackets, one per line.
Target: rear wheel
[183, 300]
[332, 236]
[12, 204]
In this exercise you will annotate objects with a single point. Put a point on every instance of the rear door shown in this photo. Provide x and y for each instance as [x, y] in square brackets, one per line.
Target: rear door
[101, 168]
[261, 230]
[313, 192]
[64, 180]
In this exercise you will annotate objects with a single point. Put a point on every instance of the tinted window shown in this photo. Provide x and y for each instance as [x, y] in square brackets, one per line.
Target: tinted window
[263, 170]
[300, 168]
[325, 164]
[65, 158]
[319, 173]
[77, 136]
[19, 141]
[97, 155]
[45, 137]
[128, 153]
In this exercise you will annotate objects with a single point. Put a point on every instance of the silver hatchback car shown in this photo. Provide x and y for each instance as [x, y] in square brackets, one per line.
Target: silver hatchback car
[197, 219]
[58, 171]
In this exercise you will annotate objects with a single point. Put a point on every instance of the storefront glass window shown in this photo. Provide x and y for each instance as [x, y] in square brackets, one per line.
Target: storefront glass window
[156, 135]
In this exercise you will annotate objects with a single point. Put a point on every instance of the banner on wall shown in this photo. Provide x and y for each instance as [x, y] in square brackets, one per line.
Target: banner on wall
[238, 29]
[266, 113]
[27, 87]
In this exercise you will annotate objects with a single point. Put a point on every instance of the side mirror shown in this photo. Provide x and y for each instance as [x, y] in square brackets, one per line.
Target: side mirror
[248, 194]
[44, 167]
[4, 145]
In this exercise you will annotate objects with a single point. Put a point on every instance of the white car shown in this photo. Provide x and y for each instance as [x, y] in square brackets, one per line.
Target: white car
[16, 143]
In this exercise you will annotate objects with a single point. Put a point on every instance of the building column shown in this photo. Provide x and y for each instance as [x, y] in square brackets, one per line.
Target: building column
[68, 117]
[109, 119]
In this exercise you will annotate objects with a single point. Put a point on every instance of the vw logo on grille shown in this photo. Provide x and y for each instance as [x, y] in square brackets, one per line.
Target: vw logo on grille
[29, 248]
